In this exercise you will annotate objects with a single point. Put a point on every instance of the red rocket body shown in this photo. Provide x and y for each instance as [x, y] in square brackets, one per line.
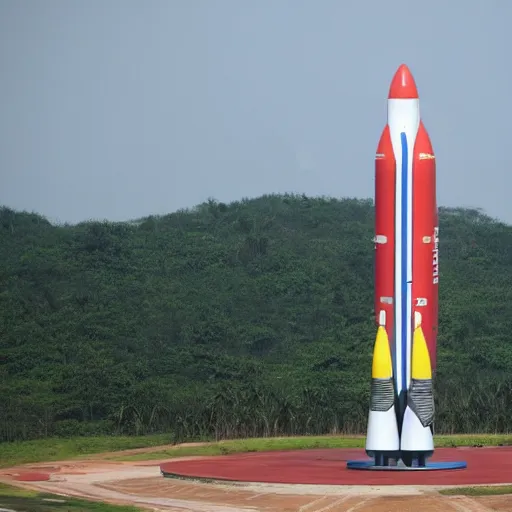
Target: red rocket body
[406, 228]
[400, 421]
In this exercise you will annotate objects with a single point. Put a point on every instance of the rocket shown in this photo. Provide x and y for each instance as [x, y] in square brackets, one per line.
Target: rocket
[400, 422]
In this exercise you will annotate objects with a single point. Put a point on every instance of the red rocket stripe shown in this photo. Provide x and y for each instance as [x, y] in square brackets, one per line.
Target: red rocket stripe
[385, 176]
[424, 214]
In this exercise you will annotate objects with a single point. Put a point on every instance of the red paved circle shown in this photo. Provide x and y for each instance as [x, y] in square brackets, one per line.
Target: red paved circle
[489, 465]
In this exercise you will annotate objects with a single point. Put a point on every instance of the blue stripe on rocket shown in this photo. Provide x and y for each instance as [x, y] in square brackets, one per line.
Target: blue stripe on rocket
[405, 320]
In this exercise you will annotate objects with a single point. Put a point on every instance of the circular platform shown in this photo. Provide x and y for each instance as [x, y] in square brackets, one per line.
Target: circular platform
[490, 465]
[369, 465]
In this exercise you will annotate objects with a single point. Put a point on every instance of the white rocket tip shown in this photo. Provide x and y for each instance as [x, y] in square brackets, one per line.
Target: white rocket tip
[417, 319]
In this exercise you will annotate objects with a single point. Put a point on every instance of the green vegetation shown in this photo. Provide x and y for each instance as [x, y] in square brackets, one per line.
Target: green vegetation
[298, 443]
[50, 449]
[243, 320]
[30, 501]
[479, 490]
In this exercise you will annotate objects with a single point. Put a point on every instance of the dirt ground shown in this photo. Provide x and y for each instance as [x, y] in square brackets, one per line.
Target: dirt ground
[140, 483]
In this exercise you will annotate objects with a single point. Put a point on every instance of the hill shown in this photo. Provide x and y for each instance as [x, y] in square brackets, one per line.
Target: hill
[243, 319]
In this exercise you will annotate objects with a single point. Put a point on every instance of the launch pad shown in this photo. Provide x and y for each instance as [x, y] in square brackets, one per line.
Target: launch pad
[346, 466]
[369, 465]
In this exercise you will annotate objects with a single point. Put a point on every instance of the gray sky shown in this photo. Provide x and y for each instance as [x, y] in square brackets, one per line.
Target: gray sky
[119, 109]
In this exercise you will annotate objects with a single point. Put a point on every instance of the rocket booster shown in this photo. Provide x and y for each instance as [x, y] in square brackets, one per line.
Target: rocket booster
[407, 267]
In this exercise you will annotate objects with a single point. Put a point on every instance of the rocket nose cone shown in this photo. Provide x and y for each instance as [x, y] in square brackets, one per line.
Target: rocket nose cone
[403, 85]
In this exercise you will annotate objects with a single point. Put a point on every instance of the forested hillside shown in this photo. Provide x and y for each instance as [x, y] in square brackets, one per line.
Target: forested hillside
[243, 319]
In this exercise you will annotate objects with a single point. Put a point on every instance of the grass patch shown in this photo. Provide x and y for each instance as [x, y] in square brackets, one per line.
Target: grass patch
[61, 449]
[301, 443]
[250, 445]
[22, 500]
[480, 490]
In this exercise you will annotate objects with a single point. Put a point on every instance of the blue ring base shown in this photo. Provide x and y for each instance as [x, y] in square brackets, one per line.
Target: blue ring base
[369, 465]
